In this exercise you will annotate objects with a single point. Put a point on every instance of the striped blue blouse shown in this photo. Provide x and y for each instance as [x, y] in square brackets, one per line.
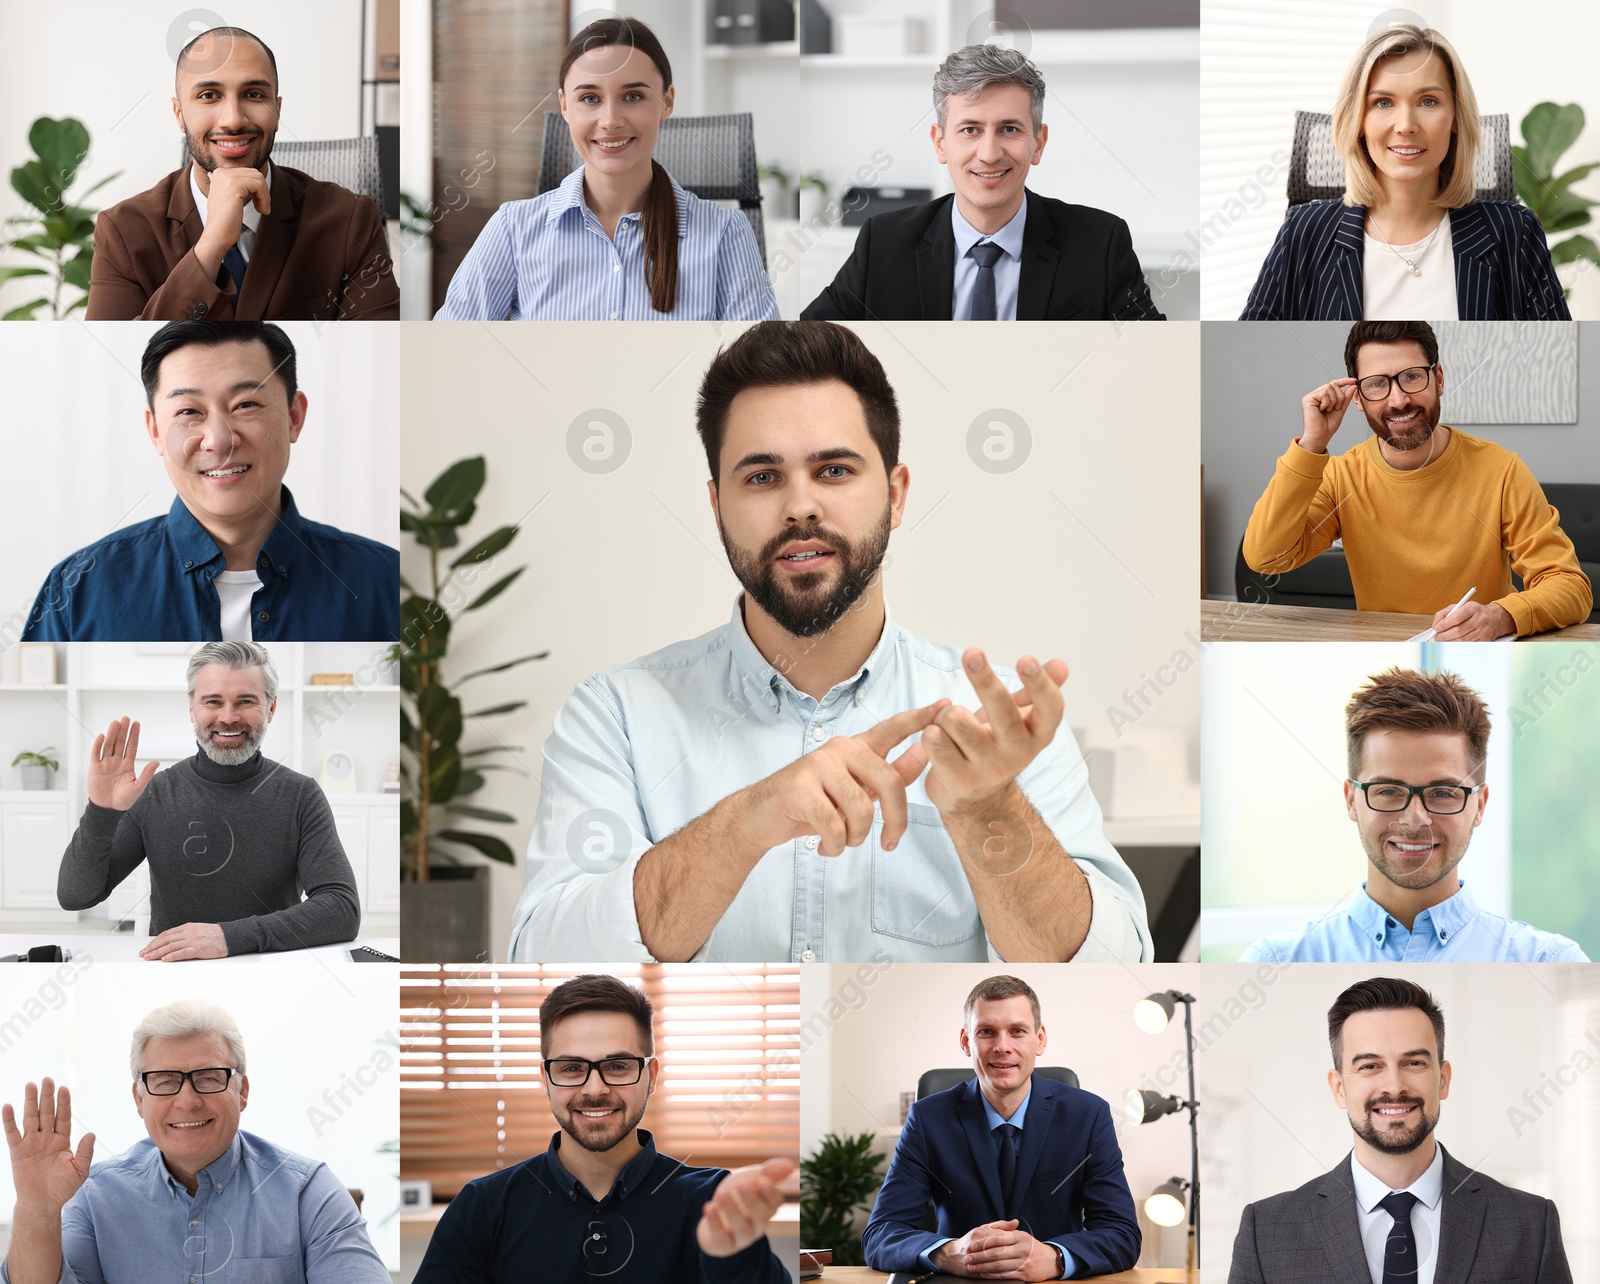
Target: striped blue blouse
[549, 259]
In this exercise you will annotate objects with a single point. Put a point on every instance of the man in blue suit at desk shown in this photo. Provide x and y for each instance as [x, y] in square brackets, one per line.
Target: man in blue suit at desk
[1025, 1173]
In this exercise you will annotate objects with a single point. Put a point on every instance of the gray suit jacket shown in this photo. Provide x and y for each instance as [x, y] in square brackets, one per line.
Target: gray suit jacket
[1488, 1234]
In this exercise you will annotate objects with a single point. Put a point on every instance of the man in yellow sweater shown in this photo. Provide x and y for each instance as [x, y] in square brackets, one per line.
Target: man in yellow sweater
[1426, 512]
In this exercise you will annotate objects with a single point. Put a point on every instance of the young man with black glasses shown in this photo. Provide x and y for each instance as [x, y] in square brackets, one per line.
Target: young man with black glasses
[1416, 746]
[1426, 512]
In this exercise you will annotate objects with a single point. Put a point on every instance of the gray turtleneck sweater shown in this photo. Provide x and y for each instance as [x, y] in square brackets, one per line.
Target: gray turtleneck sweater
[228, 845]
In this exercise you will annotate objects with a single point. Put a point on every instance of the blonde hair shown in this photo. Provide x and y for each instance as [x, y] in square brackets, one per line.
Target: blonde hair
[1349, 110]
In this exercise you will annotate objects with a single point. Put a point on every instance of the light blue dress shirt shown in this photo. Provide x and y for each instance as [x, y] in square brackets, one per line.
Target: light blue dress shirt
[1425, 1216]
[260, 1215]
[549, 259]
[1007, 268]
[641, 750]
[1018, 1121]
[1453, 931]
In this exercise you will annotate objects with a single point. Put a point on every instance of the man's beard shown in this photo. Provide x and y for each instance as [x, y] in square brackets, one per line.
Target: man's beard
[803, 608]
[1396, 1143]
[1421, 878]
[599, 1143]
[1416, 435]
[200, 151]
[235, 757]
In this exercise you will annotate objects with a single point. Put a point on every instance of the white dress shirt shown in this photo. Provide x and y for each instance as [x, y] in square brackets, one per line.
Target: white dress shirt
[1376, 1223]
[1007, 268]
[252, 216]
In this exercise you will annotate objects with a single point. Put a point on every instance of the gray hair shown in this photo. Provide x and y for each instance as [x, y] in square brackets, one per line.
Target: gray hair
[187, 1019]
[235, 655]
[971, 70]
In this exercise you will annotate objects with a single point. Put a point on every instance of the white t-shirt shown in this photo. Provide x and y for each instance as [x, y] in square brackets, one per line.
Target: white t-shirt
[235, 588]
[1389, 291]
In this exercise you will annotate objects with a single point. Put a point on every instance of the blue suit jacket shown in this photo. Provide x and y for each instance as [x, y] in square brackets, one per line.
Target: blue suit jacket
[1069, 1187]
[1503, 268]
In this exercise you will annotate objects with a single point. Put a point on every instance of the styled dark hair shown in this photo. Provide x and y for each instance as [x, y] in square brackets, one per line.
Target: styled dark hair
[1364, 332]
[658, 221]
[596, 992]
[777, 354]
[1406, 700]
[234, 33]
[212, 334]
[1001, 987]
[1381, 994]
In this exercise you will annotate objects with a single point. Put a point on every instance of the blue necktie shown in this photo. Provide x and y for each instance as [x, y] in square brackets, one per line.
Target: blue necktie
[233, 260]
[1009, 1132]
[986, 253]
[1400, 1249]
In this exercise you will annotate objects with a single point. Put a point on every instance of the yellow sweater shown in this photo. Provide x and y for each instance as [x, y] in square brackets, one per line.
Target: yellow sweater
[1416, 541]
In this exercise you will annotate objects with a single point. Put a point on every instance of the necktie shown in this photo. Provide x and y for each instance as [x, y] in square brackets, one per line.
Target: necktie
[233, 260]
[1400, 1249]
[1008, 1148]
[986, 253]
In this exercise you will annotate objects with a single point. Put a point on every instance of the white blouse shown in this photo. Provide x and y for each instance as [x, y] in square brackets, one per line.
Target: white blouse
[1389, 290]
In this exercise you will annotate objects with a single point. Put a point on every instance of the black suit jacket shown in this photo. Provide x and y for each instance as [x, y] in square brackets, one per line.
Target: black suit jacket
[1488, 1234]
[1078, 264]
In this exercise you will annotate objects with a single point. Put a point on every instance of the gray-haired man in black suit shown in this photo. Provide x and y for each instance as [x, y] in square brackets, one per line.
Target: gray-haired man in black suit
[1399, 1210]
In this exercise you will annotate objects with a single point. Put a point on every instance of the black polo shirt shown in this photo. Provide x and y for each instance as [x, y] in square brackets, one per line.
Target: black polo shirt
[537, 1222]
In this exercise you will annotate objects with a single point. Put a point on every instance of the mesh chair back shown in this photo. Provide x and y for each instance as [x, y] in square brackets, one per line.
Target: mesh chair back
[712, 156]
[938, 1080]
[350, 162]
[1317, 174]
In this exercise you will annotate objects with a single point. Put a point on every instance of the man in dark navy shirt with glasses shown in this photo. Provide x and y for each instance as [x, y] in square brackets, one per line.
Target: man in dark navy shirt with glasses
[233, 560]
[601, 1201]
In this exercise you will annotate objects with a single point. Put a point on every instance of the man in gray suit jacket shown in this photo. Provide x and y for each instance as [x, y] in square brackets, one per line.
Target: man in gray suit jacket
[1399, 1210]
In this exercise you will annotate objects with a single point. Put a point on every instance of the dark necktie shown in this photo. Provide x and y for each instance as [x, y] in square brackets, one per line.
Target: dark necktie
[1400, 1249]
[986, 254]
[1008, 1159]
[233, 260]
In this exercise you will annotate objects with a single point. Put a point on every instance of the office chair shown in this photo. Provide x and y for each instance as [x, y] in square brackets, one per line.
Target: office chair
[1317, 174]
[1579, 506]
[349, 162]
[712, 156]
[1323, 581]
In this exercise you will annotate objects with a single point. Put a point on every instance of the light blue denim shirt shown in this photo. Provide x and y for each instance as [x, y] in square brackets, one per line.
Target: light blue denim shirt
[260, 1215]
[1453, 931]
[641, 750]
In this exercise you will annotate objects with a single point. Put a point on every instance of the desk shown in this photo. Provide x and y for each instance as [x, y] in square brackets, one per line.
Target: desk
[1138, 1275]
[1262, 622]
[124, 947]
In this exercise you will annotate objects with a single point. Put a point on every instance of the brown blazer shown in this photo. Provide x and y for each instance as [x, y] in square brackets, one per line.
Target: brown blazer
[320, 255]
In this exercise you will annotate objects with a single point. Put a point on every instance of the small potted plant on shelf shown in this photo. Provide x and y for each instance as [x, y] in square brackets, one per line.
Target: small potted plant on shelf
[36, 767]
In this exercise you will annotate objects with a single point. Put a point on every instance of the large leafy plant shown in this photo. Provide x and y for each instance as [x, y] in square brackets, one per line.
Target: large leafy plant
[438, 774]
[835, 1182]
[1547, 132]
[55, 229]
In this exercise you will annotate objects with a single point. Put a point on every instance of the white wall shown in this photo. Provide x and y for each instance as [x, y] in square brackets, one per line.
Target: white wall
[1086, 551]
[111, 68]
[882, 1025]
[81, 464]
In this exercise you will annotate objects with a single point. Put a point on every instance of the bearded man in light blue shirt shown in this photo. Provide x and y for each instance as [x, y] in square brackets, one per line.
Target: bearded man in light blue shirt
[738, 797]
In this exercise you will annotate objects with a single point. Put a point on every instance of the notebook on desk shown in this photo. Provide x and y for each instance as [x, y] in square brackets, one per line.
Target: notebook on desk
[924, 1277]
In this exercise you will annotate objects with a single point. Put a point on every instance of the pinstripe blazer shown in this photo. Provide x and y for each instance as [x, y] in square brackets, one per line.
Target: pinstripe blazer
[1503, 268]
[1488, 1234]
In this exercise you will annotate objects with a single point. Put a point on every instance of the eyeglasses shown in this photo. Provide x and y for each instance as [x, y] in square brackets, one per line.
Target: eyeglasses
[1441, 800]
[169, 1083]
[573, 1072]
[1376, 387]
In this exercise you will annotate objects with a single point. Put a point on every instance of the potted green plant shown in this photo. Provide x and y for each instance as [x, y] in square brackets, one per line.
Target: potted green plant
[1547, 131]
[836, 1183]
[54, 229]
[774, 181]
[36, 768]
[444, 894]
[813, 196]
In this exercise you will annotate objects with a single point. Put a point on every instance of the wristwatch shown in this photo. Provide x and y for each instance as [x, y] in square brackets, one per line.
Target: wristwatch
[1061, 1262]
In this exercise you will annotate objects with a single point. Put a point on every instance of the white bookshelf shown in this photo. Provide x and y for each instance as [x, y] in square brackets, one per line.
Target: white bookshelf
[102, 681]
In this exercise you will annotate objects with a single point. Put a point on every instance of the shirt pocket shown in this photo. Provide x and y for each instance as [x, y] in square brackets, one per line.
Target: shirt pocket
[263, 1270]
[919, 891]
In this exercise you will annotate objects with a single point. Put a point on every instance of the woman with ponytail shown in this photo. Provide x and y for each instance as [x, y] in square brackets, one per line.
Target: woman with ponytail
[618, 240]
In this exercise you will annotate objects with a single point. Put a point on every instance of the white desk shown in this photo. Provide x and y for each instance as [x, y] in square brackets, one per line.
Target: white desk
[124, 947]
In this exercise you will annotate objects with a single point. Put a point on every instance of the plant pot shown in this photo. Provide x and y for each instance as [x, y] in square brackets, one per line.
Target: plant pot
[446, 919]
[813, 201]
[775, 198]
[35, 777]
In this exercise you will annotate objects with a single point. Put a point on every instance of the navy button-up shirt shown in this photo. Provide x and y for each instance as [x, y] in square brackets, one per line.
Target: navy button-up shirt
[538, 1221]
[152, 582]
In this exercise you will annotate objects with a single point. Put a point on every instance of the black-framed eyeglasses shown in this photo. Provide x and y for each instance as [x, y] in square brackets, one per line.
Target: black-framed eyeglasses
[1376, 387]
[169, 1083]
[1441, 800]
[573, 1072]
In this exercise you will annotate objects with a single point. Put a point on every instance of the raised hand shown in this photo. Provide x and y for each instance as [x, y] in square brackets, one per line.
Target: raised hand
[44, 1168]
[232, 189]
[112, 782]
[735, 1216]
[1322, 411]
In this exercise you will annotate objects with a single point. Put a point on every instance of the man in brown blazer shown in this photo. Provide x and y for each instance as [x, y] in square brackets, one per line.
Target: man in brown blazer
[230, 236]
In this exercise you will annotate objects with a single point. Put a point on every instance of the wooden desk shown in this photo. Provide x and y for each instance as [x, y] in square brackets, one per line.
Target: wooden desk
[1260, 622]
[1138, 1275]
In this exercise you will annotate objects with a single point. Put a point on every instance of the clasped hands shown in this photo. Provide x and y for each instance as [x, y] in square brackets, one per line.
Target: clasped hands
[997, 1251]
[975, 758]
